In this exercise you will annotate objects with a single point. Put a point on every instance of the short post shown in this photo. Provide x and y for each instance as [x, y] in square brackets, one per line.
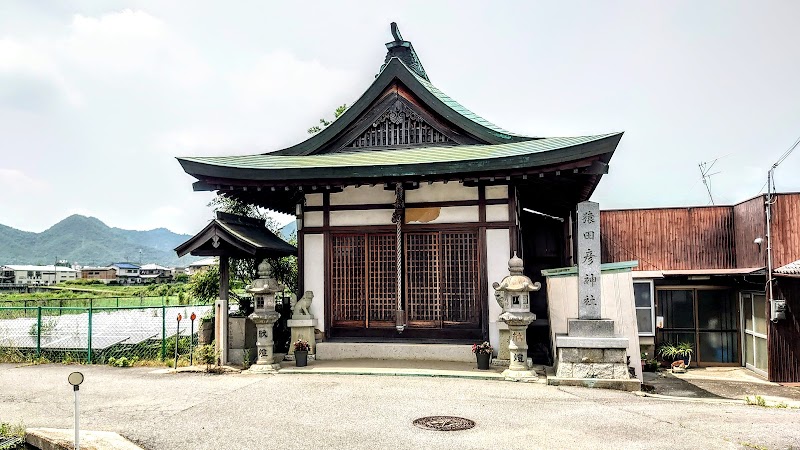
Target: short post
[177, 337]
[163, 333]
[75, 379]
[38, 331]
[191, 340]
[89, 337]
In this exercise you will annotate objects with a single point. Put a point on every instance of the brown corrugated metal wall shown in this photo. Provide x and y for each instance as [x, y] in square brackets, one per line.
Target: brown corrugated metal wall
[786, 229]
[750, 222]
[783, 339]
[670, 238]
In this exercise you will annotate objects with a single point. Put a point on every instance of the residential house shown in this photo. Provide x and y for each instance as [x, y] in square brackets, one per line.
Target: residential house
[153, 273]
[104, 274]
[201, 265]
[37, 275]
[702, 278]
[127, 273]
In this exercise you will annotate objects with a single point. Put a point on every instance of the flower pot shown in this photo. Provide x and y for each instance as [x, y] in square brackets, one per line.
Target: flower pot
[301, 358]
[483, 360]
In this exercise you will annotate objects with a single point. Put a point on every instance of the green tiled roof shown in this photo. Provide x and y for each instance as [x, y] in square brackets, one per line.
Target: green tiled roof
[460, 109]
[424, 155]
[391, 164]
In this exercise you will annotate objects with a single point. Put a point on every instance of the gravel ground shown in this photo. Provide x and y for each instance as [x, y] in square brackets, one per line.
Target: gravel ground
[200, 411]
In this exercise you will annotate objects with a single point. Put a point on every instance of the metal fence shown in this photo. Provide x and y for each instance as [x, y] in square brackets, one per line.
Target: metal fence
[95, 334]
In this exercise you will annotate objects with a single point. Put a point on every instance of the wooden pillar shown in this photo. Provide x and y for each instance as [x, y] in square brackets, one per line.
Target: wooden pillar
[222, 311]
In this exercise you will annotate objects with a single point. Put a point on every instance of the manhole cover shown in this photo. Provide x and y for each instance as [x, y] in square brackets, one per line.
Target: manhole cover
[444, 423]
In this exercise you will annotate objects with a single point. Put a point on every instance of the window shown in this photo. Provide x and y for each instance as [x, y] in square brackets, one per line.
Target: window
[643, 299]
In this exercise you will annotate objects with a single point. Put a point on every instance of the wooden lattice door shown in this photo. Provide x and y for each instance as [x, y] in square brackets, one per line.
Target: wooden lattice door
[364, 280]
[441, 273]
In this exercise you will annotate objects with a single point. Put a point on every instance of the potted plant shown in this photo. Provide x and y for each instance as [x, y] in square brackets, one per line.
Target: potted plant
[684, 351]
[677, 352]
[301, 349]
[483, 353]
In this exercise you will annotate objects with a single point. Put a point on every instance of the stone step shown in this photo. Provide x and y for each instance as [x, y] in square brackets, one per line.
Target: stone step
[329, 351]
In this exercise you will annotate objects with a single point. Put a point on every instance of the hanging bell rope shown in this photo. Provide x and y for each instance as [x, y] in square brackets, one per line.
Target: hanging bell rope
[397, 219]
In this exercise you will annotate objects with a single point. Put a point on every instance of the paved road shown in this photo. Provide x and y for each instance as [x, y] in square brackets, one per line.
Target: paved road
[200, 411]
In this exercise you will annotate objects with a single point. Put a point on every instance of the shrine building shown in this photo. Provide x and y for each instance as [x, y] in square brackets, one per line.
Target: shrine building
[409, 206]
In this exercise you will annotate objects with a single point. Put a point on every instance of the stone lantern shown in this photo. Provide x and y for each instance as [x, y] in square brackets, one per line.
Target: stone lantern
[264, 316]
[513, 295]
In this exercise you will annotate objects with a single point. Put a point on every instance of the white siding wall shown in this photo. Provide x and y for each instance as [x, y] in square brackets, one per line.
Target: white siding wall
[496, 213]
[440, 192]
[616, 303]
[364, 217]
[498, 252]
[496, 192]
[314, 275]
[362, 195]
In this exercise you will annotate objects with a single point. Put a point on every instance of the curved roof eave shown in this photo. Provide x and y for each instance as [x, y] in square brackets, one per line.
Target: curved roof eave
[522, 155]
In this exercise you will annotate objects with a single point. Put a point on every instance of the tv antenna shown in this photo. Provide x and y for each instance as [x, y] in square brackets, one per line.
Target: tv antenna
[705, 169]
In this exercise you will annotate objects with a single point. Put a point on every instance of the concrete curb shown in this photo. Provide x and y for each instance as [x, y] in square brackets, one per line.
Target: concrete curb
[393, 373]
[690, 399]
[58, 439]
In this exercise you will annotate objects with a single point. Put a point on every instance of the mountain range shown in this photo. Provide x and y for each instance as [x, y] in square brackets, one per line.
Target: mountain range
[89, 241]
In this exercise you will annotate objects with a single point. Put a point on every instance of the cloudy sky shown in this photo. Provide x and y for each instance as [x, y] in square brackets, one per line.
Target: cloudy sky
[97, 98]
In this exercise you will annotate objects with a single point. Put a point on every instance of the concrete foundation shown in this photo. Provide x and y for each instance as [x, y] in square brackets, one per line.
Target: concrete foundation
[394, 351]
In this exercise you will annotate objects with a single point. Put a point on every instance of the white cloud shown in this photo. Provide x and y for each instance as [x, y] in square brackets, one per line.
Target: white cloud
[25, 68]
[131, 43]
[15, 182]
[280, 77]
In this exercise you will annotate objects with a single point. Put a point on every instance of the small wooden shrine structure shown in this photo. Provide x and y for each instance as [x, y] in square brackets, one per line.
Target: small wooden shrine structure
[409, 206]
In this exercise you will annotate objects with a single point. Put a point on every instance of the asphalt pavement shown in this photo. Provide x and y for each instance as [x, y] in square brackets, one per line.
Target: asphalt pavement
[321, 411]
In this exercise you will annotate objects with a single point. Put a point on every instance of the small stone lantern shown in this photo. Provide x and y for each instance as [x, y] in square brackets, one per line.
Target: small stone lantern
[513, 295]
[264, 316]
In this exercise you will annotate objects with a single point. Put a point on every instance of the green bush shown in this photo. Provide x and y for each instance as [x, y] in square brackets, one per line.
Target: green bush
[123, 361]
[181, 278]
[206, 354]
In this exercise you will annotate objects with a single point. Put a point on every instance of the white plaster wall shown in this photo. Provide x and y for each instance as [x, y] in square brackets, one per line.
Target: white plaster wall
[496, 213]
[498, 251]
[312, 219]
[440, 192]
[616, 303]
[352, 195]
[314, 199]
[495, 192]
[365, 217]
[314, 275]
[454, 214]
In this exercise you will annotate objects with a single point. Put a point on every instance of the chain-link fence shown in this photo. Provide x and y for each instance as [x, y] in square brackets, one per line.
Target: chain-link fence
[96, 334]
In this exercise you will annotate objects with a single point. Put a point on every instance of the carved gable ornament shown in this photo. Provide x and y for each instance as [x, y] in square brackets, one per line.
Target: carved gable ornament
[399, 125]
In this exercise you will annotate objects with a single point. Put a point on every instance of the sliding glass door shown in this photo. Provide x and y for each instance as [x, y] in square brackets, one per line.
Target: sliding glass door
[754, 324]
[707, 318]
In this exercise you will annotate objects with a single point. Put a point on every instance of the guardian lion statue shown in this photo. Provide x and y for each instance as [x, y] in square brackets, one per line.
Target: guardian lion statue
[300, 307]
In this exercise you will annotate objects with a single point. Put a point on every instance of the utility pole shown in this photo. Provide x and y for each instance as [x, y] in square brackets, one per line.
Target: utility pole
[769, 203]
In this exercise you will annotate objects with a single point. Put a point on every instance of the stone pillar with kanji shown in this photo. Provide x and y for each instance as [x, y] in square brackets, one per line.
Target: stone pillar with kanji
[591, 354]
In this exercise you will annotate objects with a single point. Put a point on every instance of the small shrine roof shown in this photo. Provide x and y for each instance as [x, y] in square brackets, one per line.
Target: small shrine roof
[233, 235]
